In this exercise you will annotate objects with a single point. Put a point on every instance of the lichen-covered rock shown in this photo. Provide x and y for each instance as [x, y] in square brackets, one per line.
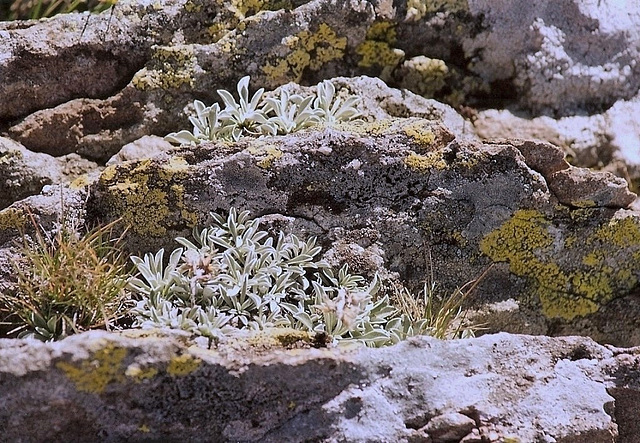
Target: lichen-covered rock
[608, 141]
[409, 199]
[554, 52]
[135, 70]
[152, 385]
[24, 173]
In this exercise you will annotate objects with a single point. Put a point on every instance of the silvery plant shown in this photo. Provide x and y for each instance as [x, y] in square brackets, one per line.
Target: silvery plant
[233, 276]
[258, 116]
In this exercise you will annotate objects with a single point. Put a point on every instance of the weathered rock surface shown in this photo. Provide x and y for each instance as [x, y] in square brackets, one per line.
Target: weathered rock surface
[403, 191]
[148, 386]
[609, 141]
[24, 173]
[405, 197]
[134, 72]
[406, 193]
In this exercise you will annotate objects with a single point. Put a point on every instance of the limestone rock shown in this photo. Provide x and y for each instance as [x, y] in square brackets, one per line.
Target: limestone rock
[449, 427]
[136, 70]
[419, 201]
[553, 60]
[144, 147]
[151, 385]
[582, 188]
[24, 173]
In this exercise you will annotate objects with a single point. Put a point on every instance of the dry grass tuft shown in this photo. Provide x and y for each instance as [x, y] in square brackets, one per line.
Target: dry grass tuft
[443, 316]
[67, 284]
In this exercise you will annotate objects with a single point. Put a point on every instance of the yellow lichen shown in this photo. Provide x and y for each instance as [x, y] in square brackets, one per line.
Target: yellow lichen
[592, 259]
[12, 218]
[170, 68]
[139, 374]
[373, 53]
[583, 203]
[246, 8]
[377, 48]
[192, 7]
[526, 243]
[10, 157]
[306, 50]
[217, 31]
[417, 9]
[267, 155]
[418, 133]
[425, 162]
[80, 182]
[272, 339]
[141, 194]
[182, 365]
[176, 165]
[377, 127]
[236, 14]
[425, 76]
[621, 232]
[94, 374]
[384, 31]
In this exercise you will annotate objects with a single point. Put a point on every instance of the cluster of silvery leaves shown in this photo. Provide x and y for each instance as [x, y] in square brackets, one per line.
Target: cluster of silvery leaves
[258, 116]
[234, 276]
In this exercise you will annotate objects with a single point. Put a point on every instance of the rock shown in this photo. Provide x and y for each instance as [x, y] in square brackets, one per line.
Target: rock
[419, 201]
[559, 65]
[473, 437]
[406, 198]
[150, 385]
[542, 157]
[583, 138]
[168, 76]
[134, 72]
[24, 173]
[582, 188]
[144, 147]
[95, 129]
[449, 427]
[608, 141]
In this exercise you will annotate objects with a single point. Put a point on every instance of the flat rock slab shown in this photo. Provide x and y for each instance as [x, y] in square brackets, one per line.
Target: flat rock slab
[154, 385]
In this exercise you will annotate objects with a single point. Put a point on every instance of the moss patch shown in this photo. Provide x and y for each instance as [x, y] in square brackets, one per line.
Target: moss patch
[607, 269]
